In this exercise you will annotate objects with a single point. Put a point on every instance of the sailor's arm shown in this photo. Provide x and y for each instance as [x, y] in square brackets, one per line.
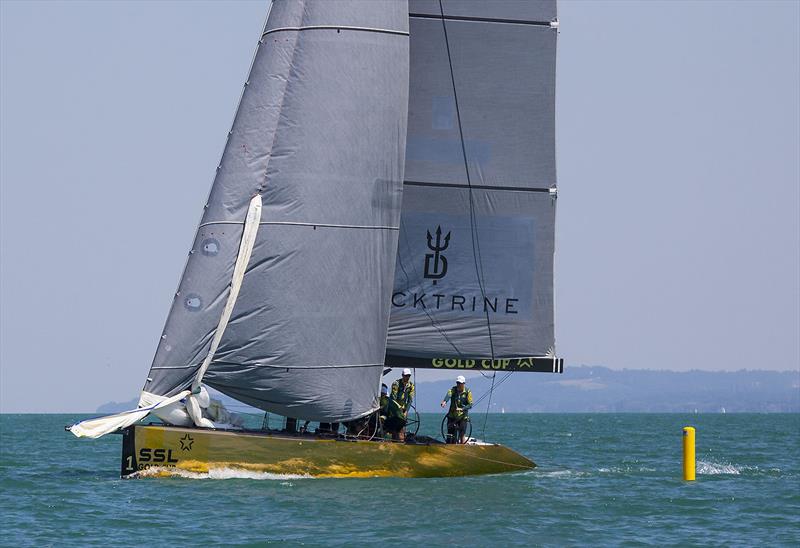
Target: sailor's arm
[447, 397]
[469, 401]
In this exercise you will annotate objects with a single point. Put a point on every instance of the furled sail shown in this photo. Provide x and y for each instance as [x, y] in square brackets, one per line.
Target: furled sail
[320, 136]
[474, 274]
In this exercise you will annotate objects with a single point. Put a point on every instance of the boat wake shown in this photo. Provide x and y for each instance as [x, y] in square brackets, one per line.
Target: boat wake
[626, 470]
[217, 474]
[705, 468]
[566, 474]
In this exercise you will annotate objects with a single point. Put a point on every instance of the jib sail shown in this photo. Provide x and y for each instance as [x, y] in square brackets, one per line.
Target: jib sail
[474, 274]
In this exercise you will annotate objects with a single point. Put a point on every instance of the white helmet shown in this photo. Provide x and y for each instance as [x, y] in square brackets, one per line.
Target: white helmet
[460, 379]
[406, 371]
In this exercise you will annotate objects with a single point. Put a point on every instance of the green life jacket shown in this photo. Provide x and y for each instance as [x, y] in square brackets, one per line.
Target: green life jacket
[458, 400]
[403, 397]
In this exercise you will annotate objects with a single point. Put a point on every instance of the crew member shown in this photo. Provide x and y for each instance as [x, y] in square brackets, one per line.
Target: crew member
[400, 400]
[460, 399]
[377, 421]
[384, 401]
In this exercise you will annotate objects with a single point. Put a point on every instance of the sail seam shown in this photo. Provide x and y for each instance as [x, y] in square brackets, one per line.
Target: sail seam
[293, 223]
[480, 19]
[337, 28]
[294, 367]
[479, 187]
[217, 363]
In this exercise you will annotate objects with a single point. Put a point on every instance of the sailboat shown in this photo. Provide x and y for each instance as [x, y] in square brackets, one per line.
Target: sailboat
[385, 198]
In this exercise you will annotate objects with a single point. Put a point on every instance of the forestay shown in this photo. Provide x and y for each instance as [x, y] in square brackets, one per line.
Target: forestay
[320, 135]
[474, 275]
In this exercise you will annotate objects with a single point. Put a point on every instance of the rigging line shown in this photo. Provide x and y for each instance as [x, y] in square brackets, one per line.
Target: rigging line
[472, 222]
[497, 385]
[488, 407]
[487, 393]
[415, 395]
[476, 254]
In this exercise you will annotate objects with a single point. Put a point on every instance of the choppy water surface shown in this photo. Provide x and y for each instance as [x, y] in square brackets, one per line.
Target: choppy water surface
[602, 479]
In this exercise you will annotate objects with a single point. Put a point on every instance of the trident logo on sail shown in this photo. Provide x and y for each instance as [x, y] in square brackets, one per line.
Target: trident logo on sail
[436, 263]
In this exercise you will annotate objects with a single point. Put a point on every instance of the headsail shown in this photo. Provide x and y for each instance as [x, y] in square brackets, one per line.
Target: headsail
[474, 275]
[320, 135]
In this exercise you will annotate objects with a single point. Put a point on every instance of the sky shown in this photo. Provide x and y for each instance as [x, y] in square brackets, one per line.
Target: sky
[678, 230]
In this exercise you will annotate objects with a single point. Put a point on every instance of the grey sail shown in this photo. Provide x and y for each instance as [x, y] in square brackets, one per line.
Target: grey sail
[474, 274]
[320, 135]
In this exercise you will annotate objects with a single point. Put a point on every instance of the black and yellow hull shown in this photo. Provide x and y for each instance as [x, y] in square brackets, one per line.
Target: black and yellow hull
[159, 448]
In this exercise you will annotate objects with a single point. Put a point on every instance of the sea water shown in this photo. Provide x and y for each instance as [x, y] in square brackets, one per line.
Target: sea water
[602, 479]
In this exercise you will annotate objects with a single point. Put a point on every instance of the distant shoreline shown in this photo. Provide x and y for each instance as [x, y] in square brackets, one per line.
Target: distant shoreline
[598, 389]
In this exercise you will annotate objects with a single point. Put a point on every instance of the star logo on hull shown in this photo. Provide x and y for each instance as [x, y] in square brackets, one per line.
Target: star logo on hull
[186, 442]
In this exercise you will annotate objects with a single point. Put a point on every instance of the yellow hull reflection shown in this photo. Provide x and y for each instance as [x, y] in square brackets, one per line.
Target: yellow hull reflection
[200, 450]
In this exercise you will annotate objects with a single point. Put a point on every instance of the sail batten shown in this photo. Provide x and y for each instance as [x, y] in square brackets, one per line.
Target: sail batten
[542, 12]
[336, 28]
[297, 223]
[516, 188]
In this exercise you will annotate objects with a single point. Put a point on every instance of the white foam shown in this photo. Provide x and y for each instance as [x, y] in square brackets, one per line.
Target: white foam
[625, 469]
[221, 474]
[713, 468]
[557, 473]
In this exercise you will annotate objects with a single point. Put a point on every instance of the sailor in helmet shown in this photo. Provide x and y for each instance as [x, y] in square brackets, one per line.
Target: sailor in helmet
[460, 399]
[400, 400]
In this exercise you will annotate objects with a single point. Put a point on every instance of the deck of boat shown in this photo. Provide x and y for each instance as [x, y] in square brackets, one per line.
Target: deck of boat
[158, 448]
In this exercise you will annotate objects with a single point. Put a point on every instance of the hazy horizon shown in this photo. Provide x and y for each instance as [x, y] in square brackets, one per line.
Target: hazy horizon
[678, 225]
[738, 386]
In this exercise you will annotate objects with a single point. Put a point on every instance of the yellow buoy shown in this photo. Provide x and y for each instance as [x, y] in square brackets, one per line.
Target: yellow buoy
[688, 453]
